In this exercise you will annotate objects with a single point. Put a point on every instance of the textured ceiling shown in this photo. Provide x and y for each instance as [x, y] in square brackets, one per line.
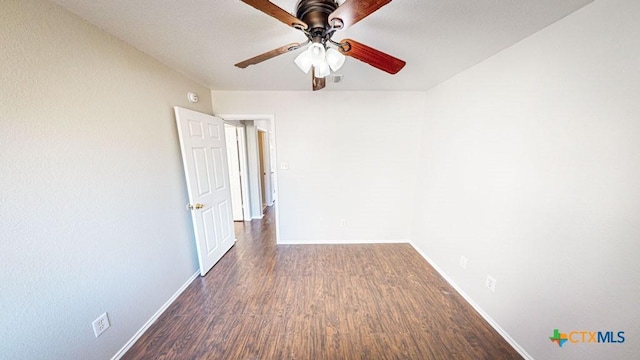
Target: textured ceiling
[205, 38]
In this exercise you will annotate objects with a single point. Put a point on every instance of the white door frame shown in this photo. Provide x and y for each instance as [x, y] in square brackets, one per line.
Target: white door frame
[235, 176]
[265, 177]
[272, 120]
[253, 164]
[242, 155]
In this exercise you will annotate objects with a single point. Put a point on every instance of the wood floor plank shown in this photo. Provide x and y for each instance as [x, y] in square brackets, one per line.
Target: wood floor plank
[263, 301]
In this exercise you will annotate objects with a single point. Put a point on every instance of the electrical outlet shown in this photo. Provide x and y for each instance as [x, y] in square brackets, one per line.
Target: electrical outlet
[100, 324]
[491, 283]
[463, 262]
[343, 223]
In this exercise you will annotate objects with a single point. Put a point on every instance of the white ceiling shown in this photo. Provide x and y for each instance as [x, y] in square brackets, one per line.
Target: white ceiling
[205, 38]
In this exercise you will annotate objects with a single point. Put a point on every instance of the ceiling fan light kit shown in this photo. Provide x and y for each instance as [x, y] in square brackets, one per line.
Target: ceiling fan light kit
[318, 20]
[313, 56]
[322, 60]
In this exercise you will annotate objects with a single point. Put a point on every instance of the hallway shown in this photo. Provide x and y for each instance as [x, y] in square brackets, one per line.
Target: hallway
[263, 301]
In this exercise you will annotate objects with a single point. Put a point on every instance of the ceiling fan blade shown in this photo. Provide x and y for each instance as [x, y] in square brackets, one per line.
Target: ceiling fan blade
[317, 83]
[371, 56]
[353, 11]
[277, 12]
[268, 55]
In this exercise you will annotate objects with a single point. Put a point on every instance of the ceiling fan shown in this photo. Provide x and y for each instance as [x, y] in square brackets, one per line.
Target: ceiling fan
[319, 20]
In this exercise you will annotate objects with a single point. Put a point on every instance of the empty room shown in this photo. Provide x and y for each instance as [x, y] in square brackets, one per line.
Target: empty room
[319, 179]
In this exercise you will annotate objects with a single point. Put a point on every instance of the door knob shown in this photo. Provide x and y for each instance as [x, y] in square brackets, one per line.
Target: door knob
[197, 206]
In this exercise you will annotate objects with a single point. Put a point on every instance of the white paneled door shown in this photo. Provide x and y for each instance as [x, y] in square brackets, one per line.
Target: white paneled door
[204, 156]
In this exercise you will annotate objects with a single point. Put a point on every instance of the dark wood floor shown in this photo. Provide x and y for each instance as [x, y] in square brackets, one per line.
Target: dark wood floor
[263, 301]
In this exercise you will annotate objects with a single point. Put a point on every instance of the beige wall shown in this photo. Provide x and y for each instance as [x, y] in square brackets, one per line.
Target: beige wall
[351, 156]
[530, 167]
[91, 188]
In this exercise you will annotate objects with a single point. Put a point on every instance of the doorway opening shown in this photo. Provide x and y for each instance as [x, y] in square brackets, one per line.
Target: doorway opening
[261, 176]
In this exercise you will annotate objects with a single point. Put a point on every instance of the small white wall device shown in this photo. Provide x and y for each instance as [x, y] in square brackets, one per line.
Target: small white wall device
[193, 97]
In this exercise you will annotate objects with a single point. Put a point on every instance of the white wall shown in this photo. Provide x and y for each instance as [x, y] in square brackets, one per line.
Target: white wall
[92, 195]
[530, 167]
[350, 155]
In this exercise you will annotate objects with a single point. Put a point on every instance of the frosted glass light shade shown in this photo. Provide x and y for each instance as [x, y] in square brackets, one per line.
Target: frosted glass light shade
[335, 59]
[321, 59]
[322, 70]
[304, 61]
[317, 53]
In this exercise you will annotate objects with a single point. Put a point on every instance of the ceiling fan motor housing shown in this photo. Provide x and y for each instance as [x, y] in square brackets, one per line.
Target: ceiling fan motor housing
[319, 20]
[315, 13]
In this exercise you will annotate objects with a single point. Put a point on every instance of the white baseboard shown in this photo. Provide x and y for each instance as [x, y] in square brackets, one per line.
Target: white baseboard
[475, 306]
[342, 242]
[153, 319]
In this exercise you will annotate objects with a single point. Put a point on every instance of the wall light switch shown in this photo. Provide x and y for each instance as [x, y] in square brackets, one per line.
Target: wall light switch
[284, 166]
[464, 262]
[490, 283]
